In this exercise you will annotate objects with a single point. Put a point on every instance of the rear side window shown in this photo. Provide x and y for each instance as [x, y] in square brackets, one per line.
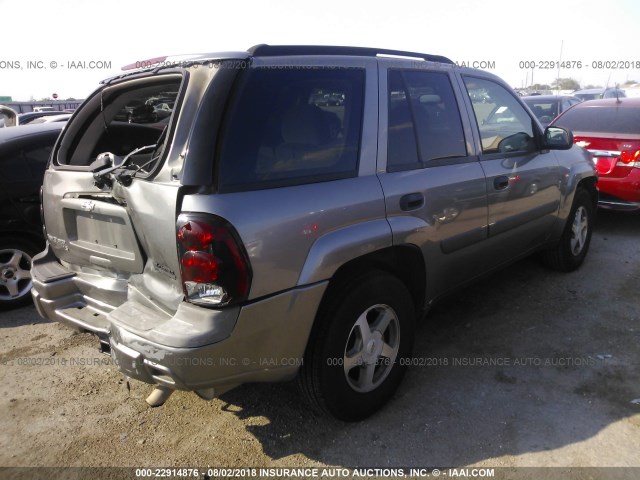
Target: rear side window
[424, 120]
[291, 126]
[601, 120]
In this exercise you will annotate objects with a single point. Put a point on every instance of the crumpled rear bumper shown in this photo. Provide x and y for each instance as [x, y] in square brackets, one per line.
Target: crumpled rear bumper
[190, 349]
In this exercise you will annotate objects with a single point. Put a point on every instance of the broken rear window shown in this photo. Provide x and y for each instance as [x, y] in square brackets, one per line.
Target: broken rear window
[121, 119]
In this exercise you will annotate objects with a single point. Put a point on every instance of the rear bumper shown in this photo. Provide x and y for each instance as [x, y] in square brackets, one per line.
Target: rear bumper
[620, 193]
[191, 349]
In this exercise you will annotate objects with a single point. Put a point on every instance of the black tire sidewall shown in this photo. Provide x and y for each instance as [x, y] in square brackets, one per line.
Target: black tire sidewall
[571, 261]
[338, 396]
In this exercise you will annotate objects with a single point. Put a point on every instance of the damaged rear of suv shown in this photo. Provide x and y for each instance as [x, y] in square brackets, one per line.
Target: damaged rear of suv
[264, 232]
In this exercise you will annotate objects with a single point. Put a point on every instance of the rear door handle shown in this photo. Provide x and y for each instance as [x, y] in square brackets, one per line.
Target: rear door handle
[411, 201]
[501, 182]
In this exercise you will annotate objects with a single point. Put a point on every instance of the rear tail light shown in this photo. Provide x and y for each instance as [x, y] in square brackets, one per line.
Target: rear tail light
[213, 262]
[629, 159]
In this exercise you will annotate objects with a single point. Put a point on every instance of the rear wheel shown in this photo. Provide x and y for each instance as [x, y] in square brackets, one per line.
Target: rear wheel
[357, 356]
[15, 271]
[572, 248]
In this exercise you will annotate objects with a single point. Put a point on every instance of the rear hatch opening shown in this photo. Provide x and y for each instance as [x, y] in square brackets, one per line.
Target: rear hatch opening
[106, 198]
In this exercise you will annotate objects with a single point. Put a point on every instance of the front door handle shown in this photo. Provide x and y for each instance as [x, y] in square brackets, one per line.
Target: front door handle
[411, 201]
[501, 182]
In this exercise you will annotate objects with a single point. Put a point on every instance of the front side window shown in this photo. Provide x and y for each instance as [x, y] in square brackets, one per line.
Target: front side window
[291, 126]
[504, 125]
[424, 122]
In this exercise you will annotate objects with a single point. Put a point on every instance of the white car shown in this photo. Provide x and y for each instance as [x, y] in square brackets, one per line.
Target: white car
[63, 117]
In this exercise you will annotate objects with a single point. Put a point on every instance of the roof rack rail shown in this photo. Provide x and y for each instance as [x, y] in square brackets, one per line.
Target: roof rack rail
[287, 50]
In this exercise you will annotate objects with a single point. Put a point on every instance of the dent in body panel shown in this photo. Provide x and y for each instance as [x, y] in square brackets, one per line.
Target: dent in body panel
[152, 208]
[90, 232]
[124, 231]
[144, 237]
[266, 343]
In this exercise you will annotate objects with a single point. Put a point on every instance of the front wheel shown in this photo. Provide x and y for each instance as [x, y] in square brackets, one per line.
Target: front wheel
[356, 358]
[572, 248]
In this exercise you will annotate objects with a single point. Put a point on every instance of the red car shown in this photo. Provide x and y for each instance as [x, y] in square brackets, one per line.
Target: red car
[610, 130]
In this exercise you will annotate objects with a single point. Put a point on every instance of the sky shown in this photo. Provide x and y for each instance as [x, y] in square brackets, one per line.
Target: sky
[67, 46]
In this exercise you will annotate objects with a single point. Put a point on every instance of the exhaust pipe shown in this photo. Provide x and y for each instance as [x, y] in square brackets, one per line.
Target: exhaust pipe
[159, 395]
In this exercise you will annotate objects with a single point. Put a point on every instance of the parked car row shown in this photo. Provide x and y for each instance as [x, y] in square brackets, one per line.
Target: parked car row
[548, 107]
[598, 93]
[39, 117]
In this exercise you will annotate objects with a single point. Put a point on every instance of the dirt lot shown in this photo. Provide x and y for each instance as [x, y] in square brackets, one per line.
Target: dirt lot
[529, 368]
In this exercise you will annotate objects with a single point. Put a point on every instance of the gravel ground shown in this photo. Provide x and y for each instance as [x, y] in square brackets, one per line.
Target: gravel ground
[530, 368]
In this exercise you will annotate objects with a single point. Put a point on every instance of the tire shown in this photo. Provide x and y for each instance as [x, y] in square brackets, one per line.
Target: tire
[15, 275]
[356, 357]
[573, 246]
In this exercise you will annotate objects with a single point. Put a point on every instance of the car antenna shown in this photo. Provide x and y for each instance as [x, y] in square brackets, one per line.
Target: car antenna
[606, 86]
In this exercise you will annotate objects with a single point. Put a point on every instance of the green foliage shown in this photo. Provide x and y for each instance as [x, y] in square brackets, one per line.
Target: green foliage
[566, 84]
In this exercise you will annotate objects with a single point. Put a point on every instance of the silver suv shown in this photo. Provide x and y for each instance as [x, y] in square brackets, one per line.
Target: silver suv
[296, 214]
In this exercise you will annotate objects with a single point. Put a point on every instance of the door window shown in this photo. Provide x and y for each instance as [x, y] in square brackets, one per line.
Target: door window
[424, 120]
[292, 126]
[504, 124]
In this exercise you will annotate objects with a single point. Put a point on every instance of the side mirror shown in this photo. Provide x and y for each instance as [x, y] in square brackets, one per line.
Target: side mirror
[558, 138]
[9, 115]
